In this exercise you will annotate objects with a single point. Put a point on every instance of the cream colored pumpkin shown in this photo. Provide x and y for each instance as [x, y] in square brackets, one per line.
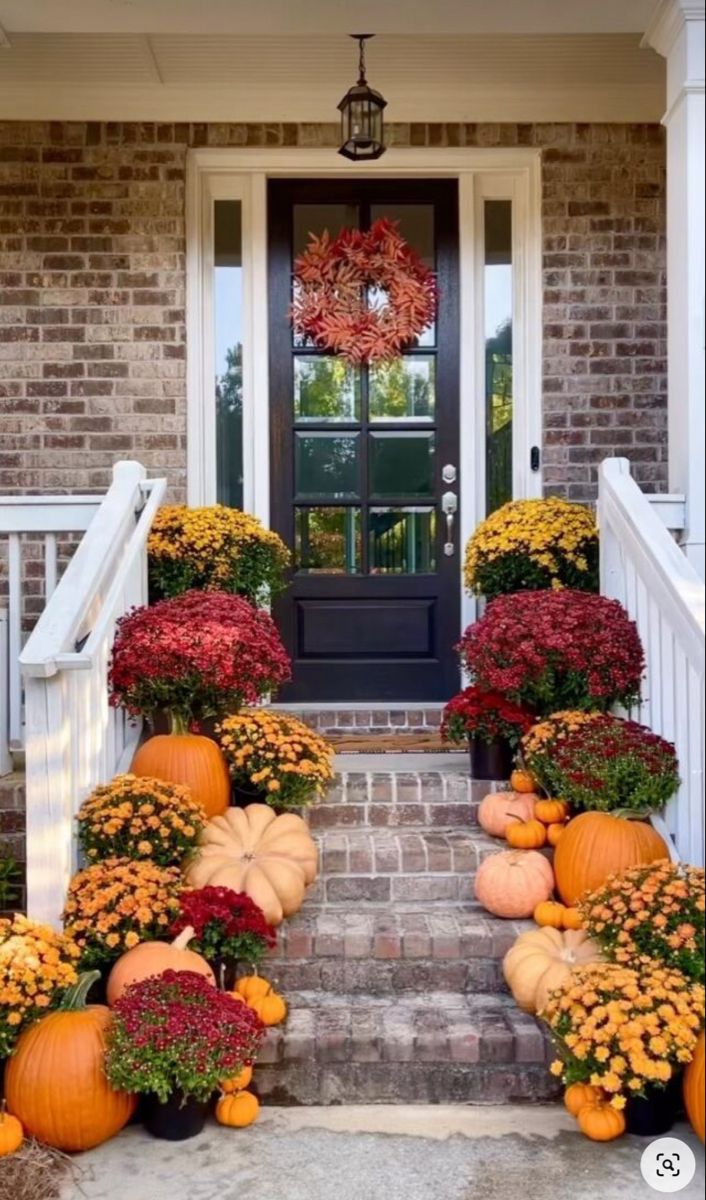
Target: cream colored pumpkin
[541, 960]
[272, 858]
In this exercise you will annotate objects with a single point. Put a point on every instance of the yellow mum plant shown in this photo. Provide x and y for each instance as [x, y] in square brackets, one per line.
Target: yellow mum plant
[140, 817]
[113, 905]
[528, 545]
[214, 549]
[37, 965]
[623, 1029]
[278, 755]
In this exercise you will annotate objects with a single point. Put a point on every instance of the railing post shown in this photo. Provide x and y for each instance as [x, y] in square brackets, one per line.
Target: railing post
[5, 760]
[50, 784]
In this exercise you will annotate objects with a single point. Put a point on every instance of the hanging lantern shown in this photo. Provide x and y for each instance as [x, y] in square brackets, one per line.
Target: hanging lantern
[361, 115]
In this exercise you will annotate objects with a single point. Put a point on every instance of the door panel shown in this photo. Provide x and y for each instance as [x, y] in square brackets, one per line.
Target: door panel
[373, 607]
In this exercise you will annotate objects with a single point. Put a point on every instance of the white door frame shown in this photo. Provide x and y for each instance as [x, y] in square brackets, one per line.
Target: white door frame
[242, 174]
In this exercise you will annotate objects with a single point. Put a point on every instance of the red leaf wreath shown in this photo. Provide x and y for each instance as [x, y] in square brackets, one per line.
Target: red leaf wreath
[332, 281]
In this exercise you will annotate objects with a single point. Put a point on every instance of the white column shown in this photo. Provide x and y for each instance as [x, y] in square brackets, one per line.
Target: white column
[676, 31]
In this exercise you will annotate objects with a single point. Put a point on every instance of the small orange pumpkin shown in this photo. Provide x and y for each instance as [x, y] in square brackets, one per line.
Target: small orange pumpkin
[271, 1009]
[55, 1080]
[191, 759]
[694, 1089]
[601, 1122]
[549, 913]
[252, 987]
[551, 812]
[238, 1111]
[523, 781]
[11, 1132]
[238, 1083]
[572, 919]
[512, 883]
[578, 1095]
[499, 810]
[154, 958]
[526, 835]
[554, 832]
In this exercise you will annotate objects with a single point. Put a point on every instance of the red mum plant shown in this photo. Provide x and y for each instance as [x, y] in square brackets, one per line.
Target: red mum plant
[227, 925]
[598, 761]
[490, 716]
[176, 1033]
[197, 655]
[551, 650]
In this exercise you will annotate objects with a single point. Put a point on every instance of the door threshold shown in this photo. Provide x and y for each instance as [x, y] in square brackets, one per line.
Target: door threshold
[358, 705]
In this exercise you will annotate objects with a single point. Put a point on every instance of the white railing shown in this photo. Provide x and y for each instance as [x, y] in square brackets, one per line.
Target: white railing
[30, 528]
[73, 738]
[643, 567]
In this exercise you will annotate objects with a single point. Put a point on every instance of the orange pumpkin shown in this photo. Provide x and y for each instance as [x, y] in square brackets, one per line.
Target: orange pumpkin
[271, 1009]
[55, 1082]
[512, 883]
[601, 1122]
[252, 987]
[596, 845]
[572, 919]
[499, 810]
[549, 913]
[238, 1083]
[11, 1132]
[154, 958]
[238, 1111]
[526, 835]
[694, 1089]
[191, 759]
[554, 832]
[523, 781]
[551, 812]
[578, 1095]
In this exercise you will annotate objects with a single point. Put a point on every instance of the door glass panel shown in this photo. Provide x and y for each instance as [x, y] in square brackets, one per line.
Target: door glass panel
[498, 286]
[403, 389]
[326, 389]
[228, 350]
[327, 540]
[315, 218]
[401, 541]
[326, 465]
[402, 463]
[416, 224]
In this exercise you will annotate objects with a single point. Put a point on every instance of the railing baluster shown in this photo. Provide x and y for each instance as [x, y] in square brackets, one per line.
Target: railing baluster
[14, 633]
[50, 565]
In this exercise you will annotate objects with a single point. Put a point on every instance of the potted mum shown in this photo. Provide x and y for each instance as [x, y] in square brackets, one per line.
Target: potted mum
[491, 725]
[172, 1039]
[214, 549]
[596, 761]
[229, 930]
[140, 817]
[198, 656]
[275, 759]
[528, 545]
[637, 1059]
[556, 650]
[651, 912]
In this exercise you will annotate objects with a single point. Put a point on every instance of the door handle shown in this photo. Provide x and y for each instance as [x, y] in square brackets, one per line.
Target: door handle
[449, 506]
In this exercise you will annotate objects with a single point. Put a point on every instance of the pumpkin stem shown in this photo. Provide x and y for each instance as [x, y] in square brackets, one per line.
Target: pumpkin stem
[182, 941]
[178, 722]
[75, 998]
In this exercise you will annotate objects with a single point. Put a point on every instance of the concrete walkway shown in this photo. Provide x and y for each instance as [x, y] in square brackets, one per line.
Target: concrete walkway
[413, 1153]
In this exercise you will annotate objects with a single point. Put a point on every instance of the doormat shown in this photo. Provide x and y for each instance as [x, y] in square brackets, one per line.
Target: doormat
[391, 743]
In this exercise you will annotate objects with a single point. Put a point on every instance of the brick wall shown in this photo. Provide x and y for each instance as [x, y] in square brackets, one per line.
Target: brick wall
[92, 329]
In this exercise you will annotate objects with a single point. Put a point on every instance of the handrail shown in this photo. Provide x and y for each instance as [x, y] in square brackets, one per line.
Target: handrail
[643, 567]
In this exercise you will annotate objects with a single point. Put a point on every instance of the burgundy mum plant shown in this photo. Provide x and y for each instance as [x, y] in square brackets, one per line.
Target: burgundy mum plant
[552, 650]
[475, 713]
[177, 1034]
[198, 655]
[226, 925]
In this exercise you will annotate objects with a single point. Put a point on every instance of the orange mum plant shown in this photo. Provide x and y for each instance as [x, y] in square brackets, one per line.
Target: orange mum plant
[140, 817]
[37, 965]
[278, 755]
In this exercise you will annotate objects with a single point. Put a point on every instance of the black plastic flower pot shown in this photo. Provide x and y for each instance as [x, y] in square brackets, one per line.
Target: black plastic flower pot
[654, 1113]
[240, 796]
[490, 760]
[175, 1119]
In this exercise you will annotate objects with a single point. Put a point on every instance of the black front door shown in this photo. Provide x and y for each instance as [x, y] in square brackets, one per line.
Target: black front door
[365, 464]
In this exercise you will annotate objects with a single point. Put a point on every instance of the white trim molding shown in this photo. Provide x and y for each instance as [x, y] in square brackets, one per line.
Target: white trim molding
[242, 174]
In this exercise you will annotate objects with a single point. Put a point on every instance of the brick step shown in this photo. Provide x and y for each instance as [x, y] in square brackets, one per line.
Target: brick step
[444, 798]
[387, 866]
[430, 1048]
[347, 720]
[385, 951]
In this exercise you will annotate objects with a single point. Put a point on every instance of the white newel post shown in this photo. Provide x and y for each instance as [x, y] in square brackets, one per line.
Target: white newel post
[676, 31]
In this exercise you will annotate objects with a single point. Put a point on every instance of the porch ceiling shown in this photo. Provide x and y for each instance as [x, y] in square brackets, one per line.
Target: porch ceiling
[211, 76]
